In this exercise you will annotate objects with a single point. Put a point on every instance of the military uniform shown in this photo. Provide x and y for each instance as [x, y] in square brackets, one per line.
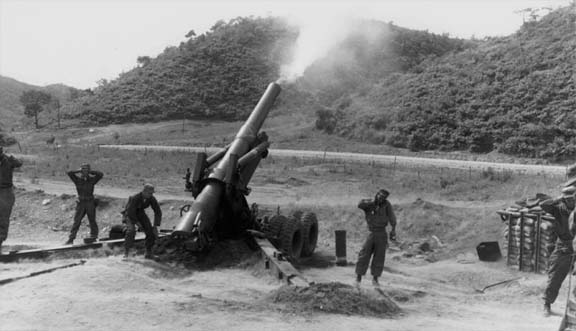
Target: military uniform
[559, 263]
[134, 214]
[7, 198]
[378, 216]
[86, 204]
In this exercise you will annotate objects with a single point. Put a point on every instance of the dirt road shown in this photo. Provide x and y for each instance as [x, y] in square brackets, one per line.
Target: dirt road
[400, 161]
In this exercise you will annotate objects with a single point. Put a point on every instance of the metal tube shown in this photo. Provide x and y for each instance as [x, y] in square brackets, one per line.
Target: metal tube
[204, 212]
[247, 133]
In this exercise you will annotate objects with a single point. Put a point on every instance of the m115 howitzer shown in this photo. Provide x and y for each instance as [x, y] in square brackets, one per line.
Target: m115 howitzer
[219, 184]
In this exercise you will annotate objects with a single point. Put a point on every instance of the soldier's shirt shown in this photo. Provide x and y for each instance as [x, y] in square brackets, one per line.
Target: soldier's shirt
[85, 185]
[561, 212]
[136, 205]
[377, 216]
[7, 166]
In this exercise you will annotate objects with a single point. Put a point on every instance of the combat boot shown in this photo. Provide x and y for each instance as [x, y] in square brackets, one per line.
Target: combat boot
[69, 242]
[546, 310]
[375, 282]
[149, 255]
[358, 280]
[126, 253]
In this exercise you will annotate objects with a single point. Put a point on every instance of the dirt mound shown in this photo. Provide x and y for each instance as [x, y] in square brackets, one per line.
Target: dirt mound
[337, 298]
[224, 254]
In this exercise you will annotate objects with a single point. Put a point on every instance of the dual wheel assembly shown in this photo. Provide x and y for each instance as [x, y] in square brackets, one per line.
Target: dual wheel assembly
[295, 236]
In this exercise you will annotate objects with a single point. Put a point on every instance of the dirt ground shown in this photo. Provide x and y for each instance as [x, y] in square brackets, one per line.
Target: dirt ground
[434, 290]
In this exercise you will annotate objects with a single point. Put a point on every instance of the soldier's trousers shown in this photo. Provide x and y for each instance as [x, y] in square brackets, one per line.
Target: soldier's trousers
[146, 226]
[374, 247]
[6, 203]
[558, 268]
[85, 208]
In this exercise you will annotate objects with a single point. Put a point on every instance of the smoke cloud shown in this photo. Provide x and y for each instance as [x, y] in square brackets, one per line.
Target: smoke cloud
[317, 36]
[322, 34]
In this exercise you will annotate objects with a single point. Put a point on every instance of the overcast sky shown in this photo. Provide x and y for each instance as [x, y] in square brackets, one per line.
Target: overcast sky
[78, 42]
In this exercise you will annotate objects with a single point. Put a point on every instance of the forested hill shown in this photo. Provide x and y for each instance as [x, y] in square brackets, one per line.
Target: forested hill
[222, 73]
[10, 109]
[383, 84]
[515, 94]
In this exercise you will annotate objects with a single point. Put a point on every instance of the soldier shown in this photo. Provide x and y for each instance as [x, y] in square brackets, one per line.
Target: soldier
[84, 179]
[559, 263]
[134, 214]
[378, 214]
[7, 165]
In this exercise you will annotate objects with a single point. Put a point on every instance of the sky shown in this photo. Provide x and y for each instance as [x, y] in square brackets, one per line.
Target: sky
[80, 42]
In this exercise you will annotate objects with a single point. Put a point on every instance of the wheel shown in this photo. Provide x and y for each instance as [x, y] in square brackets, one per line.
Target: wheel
[291, 238]
[297, 214]
[309, 225]
[274, 228]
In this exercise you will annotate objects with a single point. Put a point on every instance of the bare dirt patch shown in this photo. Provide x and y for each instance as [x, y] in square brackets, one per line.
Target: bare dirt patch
[337, 298]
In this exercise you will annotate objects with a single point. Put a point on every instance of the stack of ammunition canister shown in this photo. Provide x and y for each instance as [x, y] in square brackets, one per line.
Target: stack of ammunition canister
[528, 237]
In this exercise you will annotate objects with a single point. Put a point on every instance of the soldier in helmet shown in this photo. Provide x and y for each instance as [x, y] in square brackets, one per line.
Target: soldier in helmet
[379, 214]
[561, 258]
[7, 165]
[84, 179]
[135, 215]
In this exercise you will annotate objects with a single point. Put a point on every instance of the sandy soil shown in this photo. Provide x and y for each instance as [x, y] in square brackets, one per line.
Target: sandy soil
[108, 293]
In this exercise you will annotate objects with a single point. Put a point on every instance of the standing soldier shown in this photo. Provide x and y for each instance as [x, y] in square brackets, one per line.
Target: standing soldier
[7, 165]
[84, 179]
[559, 263]
[134, 214]
[379, 214]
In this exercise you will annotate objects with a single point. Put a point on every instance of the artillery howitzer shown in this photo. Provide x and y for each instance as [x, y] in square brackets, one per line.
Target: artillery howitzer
[219, 184]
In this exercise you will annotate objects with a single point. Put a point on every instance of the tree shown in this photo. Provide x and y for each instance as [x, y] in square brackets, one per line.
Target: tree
[191, 34]
[143, 60]
[55, 104]
[34, 102]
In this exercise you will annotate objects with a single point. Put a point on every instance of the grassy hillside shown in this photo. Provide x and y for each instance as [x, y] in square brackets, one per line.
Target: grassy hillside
[219, 74]
[514, 94]
[10, 109]
[222, 73]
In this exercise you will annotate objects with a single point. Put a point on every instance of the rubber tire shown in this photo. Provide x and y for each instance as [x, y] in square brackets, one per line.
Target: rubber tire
[298, 214]
[275, 224]
[291, 238]
[309, 225]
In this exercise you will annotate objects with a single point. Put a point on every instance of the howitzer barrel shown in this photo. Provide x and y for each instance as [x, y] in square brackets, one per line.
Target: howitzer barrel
[207, 207]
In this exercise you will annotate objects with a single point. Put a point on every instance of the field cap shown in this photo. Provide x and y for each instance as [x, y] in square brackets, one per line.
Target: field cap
[383, 191]
[148, 187]
[85, 166]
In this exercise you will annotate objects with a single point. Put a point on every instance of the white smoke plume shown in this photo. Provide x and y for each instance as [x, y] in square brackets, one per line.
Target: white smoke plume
[317, 36]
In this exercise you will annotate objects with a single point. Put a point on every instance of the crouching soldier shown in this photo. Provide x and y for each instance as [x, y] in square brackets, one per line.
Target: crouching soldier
[378, 214]
[135, 215]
